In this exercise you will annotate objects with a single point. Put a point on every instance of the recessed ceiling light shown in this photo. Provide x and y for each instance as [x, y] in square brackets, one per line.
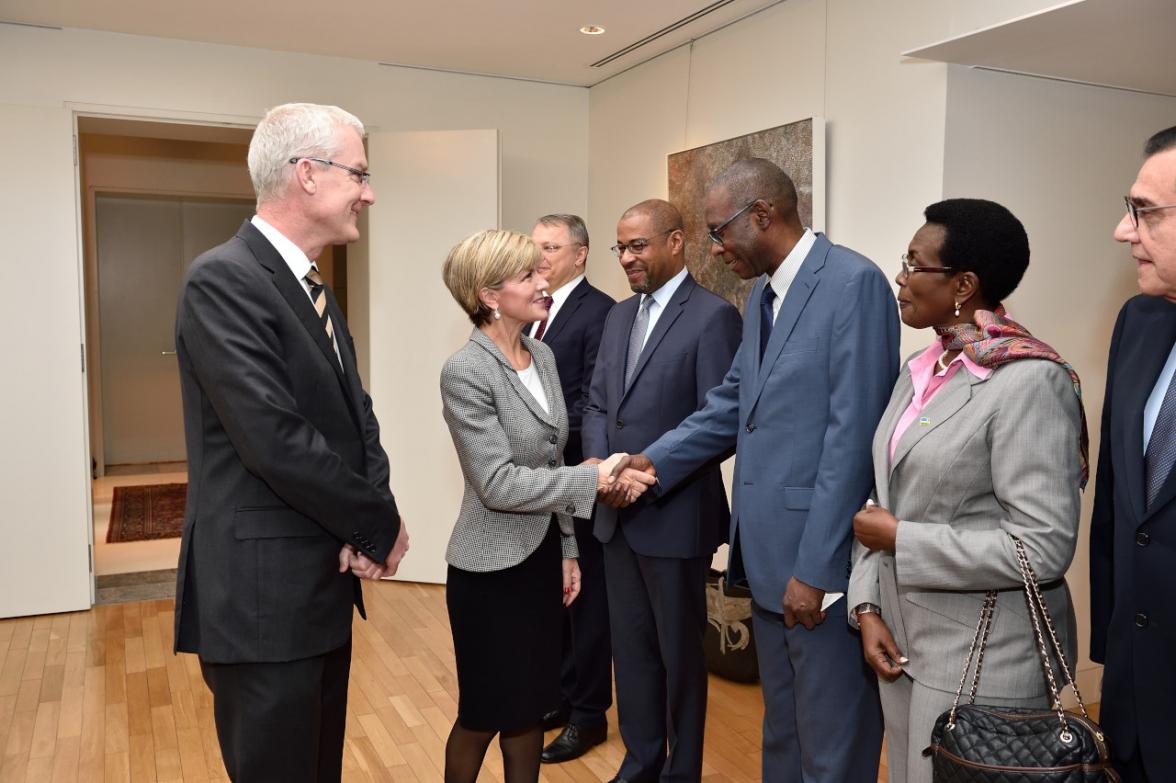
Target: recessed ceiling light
[592, 29]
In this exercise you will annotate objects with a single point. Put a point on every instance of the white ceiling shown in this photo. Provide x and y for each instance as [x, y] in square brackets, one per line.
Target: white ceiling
[517, 38]
[1130, 44]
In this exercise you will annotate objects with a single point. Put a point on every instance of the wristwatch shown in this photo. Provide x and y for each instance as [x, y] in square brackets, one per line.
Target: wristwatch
[867, 608]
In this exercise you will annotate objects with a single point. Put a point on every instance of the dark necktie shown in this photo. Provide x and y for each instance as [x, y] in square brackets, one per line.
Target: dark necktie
[767, 317]
[637, 338]
[1161, 449]
[539, 330]
[318, 295]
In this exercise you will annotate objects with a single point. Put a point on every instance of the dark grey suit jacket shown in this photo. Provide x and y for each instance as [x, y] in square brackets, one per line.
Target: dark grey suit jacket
[1133, 548]
[284, 463]
[574, 338]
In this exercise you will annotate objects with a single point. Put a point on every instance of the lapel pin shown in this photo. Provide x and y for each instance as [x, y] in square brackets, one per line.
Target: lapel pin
[924, 422]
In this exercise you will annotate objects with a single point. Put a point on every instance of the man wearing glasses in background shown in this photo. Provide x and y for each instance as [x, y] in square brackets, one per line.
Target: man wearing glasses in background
[287, 480]
[1133, 526]
[800, 404]
[661, 352]
[572, 330]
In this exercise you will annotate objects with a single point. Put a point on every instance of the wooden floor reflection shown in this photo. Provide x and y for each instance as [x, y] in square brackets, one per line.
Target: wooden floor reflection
[98, 696]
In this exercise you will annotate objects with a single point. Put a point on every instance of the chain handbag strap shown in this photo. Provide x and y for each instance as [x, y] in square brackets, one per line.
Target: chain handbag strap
[1033, 597]
[1036, 606]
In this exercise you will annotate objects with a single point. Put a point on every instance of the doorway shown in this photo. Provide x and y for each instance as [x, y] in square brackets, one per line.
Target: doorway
[154, 195]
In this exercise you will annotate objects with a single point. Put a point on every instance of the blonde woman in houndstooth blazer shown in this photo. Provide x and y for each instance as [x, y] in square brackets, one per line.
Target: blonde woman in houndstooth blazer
[506, 588]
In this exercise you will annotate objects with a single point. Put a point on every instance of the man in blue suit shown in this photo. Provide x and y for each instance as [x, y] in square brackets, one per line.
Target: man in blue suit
[572, 329]
[661, 352]
[801, 401]
[1133, 526]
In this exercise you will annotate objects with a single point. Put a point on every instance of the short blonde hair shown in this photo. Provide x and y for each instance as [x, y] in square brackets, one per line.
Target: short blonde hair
[486, 260]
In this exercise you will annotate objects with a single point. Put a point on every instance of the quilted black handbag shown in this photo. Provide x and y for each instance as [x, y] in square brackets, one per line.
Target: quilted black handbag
[977, 744]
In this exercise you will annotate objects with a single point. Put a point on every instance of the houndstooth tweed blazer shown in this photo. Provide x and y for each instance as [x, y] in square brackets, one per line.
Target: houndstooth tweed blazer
[511, 455]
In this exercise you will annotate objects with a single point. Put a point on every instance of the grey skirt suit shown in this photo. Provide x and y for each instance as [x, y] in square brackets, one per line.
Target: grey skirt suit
[989, 458]
[504, 589]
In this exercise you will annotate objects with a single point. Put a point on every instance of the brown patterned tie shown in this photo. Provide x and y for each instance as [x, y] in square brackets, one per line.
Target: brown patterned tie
[318, 294]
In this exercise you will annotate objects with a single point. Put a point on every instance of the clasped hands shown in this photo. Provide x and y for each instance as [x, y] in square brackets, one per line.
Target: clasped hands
[622, 478]
[365, 568]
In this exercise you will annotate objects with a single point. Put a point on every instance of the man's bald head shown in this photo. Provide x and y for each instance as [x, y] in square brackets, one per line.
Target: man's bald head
[756, 178]
[661, 213]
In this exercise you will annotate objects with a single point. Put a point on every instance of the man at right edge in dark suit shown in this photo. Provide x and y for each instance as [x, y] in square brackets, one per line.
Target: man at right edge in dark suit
[1133, 526]
[287, 481]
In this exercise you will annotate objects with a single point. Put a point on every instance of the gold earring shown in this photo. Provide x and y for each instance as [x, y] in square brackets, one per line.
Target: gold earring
[957, 310]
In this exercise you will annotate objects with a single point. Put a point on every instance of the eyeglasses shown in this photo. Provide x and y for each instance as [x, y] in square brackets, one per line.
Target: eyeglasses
[908, 267]
[550, 249]
[1134, 211]
[363, 177]
[637, 246]
[716, 233]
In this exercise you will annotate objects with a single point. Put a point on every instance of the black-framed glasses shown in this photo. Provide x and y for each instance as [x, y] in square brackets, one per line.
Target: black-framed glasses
[908, 267]
[365, 177]
[637, 246]
[1134, 210]
[716, 234]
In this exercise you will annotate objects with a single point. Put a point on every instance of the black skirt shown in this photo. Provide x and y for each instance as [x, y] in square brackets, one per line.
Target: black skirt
[507, 632]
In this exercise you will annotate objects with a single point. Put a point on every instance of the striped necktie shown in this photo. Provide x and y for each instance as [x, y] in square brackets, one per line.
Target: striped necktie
[318, 294]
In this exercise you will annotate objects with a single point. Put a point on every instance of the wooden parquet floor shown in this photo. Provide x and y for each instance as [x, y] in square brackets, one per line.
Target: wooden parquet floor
[98, 696]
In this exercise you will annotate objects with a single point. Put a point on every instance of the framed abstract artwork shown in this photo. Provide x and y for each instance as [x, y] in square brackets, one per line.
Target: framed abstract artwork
[798, 148]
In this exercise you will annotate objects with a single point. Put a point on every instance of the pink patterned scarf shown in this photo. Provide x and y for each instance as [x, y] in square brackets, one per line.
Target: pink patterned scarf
[995, 339]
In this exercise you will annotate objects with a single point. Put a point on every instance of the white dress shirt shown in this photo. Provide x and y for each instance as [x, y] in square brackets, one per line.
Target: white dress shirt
[295, 259]
[558, 297]
[785, 273]
[661, 297]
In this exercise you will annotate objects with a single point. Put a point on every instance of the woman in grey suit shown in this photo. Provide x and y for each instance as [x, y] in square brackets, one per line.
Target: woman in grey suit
[984, 439]
[505, 586]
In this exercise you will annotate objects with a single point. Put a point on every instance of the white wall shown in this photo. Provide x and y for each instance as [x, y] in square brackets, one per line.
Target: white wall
[1060, 156]
[50, 73]
[44, 497]
[836, 59]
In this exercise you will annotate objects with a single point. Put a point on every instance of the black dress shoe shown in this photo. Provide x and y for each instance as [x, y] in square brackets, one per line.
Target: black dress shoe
[554, 720]
[574, 741]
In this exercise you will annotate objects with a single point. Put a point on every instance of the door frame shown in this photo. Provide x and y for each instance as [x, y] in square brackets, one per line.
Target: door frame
[88, 251]
[87, 278]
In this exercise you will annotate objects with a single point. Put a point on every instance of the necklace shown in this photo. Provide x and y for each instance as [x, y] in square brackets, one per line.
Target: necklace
[940, 363]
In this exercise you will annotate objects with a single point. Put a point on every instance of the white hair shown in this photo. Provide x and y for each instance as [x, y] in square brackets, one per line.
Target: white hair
[293, 130]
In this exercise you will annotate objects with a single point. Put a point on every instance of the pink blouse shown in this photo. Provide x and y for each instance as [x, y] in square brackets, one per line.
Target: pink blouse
[927, 381]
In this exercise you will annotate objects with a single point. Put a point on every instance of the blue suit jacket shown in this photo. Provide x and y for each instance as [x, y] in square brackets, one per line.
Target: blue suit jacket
[1132, 566]
[801, 422]
[574, 338]
[687, 353]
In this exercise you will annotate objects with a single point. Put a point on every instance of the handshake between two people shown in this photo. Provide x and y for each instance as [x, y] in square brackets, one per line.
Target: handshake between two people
[622, 478]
